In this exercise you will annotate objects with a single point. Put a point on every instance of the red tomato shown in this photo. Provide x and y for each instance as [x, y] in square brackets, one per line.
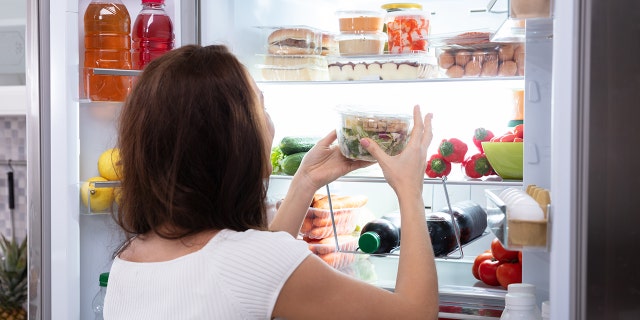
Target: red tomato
[508, 273]
[487, 271]
[519, 131]
[502, 254]
[479, 259]
[507, 137]
[520, 257]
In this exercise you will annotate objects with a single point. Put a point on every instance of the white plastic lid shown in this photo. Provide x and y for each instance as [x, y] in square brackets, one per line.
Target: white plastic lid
[521, 300]
[522, 288]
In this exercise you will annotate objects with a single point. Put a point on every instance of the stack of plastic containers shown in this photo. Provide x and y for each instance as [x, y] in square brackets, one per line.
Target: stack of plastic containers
[360, 32]
[318, 228]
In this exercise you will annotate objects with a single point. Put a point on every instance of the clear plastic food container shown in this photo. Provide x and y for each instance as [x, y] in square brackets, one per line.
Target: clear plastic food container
[293, 67]
[317, 224]
[407, 30]
[292, 40]
[382, 67]
[326, 250]
[472, 54]
[350, 44]
[360, 21]
[390, 131]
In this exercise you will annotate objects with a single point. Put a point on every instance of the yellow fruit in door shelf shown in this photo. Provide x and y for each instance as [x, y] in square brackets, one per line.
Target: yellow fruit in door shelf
[109, 164]
[96, 199]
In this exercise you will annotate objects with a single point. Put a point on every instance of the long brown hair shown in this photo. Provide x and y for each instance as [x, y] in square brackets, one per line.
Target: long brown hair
[192, 146]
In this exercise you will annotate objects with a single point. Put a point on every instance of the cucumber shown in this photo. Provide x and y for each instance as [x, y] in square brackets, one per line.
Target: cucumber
[291, 163]
[292, 145]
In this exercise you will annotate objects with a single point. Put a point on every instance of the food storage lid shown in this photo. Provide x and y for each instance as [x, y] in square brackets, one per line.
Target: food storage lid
[476, 39]
[389, 7]
[360, 20]
[369, 242]
[104, 278]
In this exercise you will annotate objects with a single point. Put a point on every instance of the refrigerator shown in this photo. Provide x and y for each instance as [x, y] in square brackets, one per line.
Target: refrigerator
[579, 108]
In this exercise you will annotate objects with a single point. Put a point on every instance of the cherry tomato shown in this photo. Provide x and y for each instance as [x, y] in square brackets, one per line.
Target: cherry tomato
[479, 259]
[508, 137]
[487, 271]
[520, 257]
[519, 131]
[502, 254]
[508, 273]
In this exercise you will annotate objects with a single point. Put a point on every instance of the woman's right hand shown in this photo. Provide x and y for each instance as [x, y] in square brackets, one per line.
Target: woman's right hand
[405, 171]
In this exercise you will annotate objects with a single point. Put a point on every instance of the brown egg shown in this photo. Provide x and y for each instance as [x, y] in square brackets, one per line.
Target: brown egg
[446, 60]
[462, 57]
[507, 69]
[489, 68]
[505, 53]
[478, 56]
[455, 71]
[472, 69]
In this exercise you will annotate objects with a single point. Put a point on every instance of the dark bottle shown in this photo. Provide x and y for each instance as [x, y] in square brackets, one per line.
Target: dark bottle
[441, 232]
[379, 236]
[471, 219]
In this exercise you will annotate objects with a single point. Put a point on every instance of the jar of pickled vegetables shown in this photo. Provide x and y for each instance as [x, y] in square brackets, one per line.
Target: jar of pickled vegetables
[407, 27]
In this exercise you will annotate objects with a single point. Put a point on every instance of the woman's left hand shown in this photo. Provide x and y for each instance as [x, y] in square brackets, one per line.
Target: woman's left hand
[325, 163]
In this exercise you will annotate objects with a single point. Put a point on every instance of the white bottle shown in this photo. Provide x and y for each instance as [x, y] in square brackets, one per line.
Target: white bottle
[546, 313]
[520, 306]
[97, 305]
[525, 288]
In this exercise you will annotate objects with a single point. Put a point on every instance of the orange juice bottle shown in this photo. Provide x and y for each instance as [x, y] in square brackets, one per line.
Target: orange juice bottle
[107, 42]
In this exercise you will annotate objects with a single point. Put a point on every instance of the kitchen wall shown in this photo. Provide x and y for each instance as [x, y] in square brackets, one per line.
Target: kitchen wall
[13, 146]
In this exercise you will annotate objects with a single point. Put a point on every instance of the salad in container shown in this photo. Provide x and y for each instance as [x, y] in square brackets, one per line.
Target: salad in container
[390, 131]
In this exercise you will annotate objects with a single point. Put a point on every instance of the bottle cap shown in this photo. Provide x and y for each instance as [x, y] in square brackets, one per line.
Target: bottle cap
[369, 242]
[401, 6]
[104, 278]
[153, 1]
[519, 299]
[522, 288]
[545, 309]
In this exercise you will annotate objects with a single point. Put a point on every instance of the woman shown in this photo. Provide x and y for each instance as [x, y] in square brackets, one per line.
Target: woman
[195, 140]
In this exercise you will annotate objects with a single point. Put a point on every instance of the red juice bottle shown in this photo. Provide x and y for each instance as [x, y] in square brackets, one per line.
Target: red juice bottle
[152, 33]
[107, 43]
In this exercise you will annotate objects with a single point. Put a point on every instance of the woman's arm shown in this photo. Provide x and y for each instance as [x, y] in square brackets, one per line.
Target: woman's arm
[323, 164]
[317, 291]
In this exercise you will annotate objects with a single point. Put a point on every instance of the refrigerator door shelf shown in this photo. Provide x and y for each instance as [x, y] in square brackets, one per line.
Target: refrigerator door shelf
[516, 234]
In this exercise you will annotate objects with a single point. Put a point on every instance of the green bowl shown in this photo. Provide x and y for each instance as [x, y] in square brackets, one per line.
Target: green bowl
[506, 158]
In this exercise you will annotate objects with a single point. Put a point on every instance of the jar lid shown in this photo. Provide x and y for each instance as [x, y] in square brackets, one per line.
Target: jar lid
[104, 278]
[401, 6]
[369, 242]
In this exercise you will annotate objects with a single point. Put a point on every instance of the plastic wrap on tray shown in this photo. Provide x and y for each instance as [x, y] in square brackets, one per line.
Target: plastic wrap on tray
[382, 67]
[327, 251]
[293, 67]
[472, 54]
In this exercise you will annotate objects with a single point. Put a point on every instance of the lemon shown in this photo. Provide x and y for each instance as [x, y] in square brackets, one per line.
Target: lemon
[109, 164]
[96, 199]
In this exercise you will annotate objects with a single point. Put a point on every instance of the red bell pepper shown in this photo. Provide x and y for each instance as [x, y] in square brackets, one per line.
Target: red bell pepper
[477, 166]
[437, 166]
[481, 135]
[453, 150]
[519, 131]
